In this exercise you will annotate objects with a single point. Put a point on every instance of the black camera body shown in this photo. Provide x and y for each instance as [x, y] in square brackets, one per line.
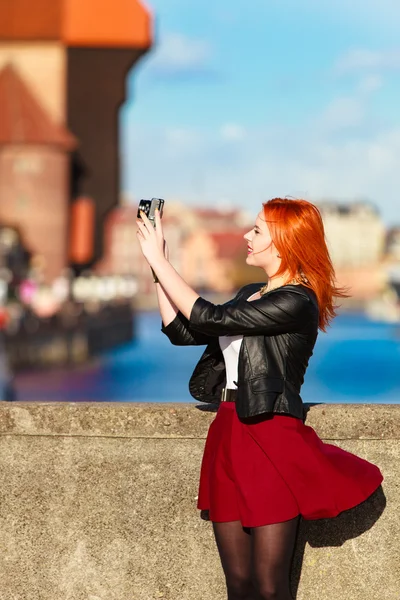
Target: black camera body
[149, 206]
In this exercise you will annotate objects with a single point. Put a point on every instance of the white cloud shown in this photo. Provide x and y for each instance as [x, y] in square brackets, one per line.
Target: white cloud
[180, 140]
[349, 110]
[181, 137]
[352, 168]
[341, 113]
[178, 54]
[363, 59]
[233, 132]
[384, 11]
[338, 153]
[359, 12]
[305, 161]
[369, 84]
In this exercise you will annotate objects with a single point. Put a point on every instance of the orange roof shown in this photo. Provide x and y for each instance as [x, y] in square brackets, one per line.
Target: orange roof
[87, 23]
[23, 120]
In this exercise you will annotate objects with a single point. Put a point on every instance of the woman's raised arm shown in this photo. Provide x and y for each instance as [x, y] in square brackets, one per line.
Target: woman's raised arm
[178, 291]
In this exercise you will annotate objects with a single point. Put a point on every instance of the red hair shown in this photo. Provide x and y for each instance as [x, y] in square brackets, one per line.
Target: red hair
[297, 231]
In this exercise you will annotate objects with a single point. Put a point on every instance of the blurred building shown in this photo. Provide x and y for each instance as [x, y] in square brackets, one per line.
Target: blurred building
[122, 252]
[393, 243]
[355, 233]
[14, 255]
[208, 249]
[218, 219]
[212, 259]
[64, 68]
[205, 246]
[34, 172]
[214, 254]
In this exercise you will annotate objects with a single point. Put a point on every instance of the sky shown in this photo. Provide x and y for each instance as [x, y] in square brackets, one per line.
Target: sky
[243, 101]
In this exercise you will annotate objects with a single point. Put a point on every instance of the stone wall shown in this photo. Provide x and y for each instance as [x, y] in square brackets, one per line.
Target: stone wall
[98, 502]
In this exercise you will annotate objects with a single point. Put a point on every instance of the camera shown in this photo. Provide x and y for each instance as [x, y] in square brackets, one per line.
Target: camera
[149, 206]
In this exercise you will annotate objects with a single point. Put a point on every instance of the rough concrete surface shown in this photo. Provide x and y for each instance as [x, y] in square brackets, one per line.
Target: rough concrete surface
[98, 502]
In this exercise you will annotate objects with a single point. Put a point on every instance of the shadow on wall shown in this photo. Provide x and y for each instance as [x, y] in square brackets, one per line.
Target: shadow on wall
[330, 532]
[335, 531]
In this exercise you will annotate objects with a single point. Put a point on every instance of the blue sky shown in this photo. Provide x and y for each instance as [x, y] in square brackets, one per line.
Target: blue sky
[242, 101]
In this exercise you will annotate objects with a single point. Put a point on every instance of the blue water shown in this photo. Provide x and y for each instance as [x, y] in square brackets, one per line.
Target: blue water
[356, 361]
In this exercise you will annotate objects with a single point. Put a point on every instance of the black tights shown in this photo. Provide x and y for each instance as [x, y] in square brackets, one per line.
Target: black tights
[257, 561]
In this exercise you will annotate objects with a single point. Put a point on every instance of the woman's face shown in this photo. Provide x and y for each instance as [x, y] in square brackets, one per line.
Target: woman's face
[260, 247]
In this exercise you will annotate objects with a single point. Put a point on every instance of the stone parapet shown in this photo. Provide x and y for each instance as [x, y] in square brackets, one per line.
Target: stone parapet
[98, 502]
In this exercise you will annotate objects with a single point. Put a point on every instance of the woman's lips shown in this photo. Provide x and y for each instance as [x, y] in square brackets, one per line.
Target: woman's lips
[249, 250]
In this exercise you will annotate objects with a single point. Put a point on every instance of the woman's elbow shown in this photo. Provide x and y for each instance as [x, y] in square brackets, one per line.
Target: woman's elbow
[177, 341]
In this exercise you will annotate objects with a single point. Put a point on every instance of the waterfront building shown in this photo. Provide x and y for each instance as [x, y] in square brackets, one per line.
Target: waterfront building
[122, 253]
[393, 244]
[212, 260]
[205, 246]
[355, 233]
[219, 219]
[14, 259]
[68, 61]
[34, 171]
[356, 236]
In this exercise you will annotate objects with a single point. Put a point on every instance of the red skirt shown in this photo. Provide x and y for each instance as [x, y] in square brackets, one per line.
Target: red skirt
[276, 469]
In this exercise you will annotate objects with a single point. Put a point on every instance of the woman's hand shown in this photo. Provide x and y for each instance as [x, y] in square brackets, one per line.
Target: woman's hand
[162, 242]
[151, 239]
[156, 253]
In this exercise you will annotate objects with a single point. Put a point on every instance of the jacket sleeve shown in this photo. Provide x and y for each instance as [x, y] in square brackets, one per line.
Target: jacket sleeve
[283, 311]
[180, 333]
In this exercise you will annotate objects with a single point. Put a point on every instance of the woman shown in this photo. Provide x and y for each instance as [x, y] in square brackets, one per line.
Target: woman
[262, 466]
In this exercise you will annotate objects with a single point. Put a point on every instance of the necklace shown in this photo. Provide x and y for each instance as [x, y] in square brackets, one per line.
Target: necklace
[303, 279]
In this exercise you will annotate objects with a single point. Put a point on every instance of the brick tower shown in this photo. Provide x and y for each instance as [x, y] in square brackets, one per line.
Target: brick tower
[74, 56]
[34, 173]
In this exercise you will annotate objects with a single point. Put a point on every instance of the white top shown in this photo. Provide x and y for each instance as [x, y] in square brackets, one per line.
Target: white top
[230, 346]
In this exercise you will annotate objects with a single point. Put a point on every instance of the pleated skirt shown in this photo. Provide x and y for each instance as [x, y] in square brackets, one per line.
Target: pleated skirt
[274, 469]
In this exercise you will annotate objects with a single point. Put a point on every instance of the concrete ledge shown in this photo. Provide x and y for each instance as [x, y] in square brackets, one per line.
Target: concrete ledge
[98, 502]
[191, 420]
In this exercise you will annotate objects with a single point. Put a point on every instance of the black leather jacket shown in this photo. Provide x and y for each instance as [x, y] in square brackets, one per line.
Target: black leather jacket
[279, 333]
